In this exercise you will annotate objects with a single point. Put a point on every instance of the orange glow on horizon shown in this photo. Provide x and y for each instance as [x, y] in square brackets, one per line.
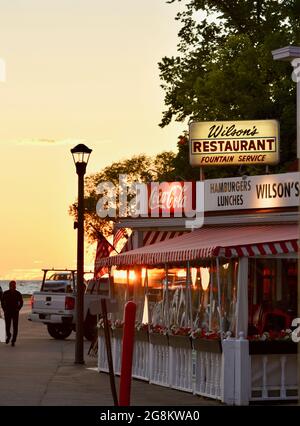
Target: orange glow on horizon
[38, 176]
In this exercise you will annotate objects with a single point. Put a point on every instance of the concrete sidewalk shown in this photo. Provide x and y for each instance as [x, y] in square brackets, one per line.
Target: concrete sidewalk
[40, 371]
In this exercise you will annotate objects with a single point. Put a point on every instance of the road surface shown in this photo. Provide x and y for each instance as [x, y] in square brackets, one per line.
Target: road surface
[40, 371]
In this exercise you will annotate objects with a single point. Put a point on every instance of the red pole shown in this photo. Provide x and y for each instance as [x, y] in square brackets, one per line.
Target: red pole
[127, 354]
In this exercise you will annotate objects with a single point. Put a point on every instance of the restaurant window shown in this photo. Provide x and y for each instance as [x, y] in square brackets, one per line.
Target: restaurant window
[156, 298]
[179, 298]
[120, 291]
[169, 298]
[129, 285]
[272, 294]
[214, 311]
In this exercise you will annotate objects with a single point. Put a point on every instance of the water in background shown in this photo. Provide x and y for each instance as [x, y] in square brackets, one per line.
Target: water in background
[24, 287]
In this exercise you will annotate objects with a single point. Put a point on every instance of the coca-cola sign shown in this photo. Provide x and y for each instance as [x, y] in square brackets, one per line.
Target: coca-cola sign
[171, 199]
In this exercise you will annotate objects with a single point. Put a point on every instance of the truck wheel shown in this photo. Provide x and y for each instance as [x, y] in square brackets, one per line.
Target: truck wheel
[90, 327]
[59, 331]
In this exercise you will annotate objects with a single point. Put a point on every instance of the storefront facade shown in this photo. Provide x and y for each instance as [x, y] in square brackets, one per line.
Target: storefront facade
[215, 305]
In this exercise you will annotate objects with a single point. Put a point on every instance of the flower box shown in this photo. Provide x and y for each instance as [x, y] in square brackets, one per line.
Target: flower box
[178, 341]
[159, 339]
[264, 347]
[101, 332]
[118, 332]
[141, 335]
[207, 345]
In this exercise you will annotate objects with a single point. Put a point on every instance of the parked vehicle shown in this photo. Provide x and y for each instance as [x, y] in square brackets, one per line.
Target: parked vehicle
[55, 304]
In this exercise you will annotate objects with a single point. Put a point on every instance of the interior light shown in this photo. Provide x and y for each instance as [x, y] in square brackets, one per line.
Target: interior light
[194, 276]
[204, 273]
[181, 273]
[120, 276]
[132, 276]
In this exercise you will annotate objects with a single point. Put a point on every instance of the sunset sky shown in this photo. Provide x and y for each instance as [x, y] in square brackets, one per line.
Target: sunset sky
[76, 71]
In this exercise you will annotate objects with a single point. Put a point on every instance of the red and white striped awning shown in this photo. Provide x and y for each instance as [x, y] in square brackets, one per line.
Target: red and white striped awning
[152, 237]
[209, 242]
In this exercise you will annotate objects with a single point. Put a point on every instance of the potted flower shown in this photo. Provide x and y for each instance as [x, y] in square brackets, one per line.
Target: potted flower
[158, 334]
[100, 326]
[272, 342]
[180, 337]
[117, 328]
[206, 341]
[141, 331]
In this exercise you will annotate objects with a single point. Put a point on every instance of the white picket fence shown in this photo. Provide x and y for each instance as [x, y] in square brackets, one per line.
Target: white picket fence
[117, 353]
[208, 374]
[159, 364]
[140, 363]
[274, 377]
[116, 344]
[102, 357]
[181, 368]
[232, 376]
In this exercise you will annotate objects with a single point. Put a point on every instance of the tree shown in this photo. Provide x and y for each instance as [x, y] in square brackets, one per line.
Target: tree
[139, 168]
[224, 69]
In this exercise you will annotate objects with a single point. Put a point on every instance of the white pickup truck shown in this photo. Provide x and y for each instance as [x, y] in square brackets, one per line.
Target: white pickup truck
[55, 304]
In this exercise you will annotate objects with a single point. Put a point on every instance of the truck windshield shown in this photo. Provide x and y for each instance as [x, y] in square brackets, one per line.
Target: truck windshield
[60, 277]
[57, 287]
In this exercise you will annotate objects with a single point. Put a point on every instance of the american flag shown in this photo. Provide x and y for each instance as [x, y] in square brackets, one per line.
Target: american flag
[118, 235]
[104, 248]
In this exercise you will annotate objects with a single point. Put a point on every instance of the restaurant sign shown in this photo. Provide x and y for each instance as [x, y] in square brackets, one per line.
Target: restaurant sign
[253, 192]
[185, 199]
[221, 143]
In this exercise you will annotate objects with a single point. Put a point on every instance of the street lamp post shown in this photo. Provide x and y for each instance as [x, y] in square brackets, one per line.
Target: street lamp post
[81, 154]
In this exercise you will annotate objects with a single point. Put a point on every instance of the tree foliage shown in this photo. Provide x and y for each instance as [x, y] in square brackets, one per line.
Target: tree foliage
[224, 69]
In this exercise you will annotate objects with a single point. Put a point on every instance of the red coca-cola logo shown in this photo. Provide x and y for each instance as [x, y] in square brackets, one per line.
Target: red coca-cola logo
[170, 197]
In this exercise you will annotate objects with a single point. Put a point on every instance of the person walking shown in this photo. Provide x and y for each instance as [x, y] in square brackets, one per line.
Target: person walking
[12, 302]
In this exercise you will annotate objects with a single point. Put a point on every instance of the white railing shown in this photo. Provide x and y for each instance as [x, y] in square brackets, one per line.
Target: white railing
[140, 364]
[274, 377]
[181, 368]
[159, 364]
[232, 376]
[208, 374]
[102, 356]
[117, 353]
